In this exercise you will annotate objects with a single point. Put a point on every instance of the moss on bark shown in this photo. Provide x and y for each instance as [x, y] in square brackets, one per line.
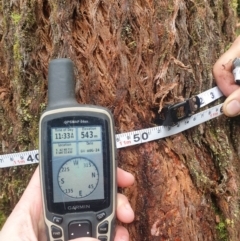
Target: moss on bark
[132, 57]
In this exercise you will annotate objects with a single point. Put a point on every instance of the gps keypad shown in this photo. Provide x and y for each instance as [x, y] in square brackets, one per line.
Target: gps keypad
[79, 229]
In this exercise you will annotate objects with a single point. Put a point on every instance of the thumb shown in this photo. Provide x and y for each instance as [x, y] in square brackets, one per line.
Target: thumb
[231, 106]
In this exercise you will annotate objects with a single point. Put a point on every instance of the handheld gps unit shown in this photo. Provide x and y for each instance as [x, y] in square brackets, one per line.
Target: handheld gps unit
[77, 162]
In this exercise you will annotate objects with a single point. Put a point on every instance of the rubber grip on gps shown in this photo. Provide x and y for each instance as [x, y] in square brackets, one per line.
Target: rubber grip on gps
[61, 84]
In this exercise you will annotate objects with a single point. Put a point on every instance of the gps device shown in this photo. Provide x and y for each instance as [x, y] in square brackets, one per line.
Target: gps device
[77, 162]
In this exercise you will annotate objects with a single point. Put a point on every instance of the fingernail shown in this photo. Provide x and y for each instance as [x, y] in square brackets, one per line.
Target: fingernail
[233, 108]
[128, 206]
[124, 238]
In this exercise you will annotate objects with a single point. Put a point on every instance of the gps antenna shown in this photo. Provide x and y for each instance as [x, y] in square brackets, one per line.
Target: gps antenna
[61, 86]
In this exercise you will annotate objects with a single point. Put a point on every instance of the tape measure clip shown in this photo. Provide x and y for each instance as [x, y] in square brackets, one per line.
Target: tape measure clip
[172, 114]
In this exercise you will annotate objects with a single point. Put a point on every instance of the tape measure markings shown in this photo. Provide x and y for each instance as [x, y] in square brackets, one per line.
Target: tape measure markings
[209, 96]
[139, 136]
[155, 133]
[18, 159]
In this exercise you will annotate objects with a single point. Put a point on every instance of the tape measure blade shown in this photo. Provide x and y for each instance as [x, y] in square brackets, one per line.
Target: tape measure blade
[18, 159]
[127, 139]
[155, 133]
[209, 96]
[196, 119]
[152, 134]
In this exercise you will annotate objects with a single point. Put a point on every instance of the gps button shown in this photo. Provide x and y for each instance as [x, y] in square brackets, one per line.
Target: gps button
[103, 228]
[101, 215]
[56, 232]
[102, 238]
[78, 229]
[57, 220]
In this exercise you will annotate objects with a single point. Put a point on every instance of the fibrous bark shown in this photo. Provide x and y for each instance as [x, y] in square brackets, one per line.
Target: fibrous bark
[133, 57]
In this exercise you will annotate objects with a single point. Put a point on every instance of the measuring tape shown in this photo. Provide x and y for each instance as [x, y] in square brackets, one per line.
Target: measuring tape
[138, 136]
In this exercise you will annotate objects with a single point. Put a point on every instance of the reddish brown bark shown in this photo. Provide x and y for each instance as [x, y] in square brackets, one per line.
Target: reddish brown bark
[132, 57]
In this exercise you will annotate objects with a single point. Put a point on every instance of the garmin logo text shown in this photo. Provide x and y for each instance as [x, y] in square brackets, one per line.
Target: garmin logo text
[67, 122]
[77, 207]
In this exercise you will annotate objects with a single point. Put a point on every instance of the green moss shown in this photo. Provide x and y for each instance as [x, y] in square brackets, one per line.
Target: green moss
[43, 106]
[221, 228]
[16, 50]
[2, 219]
[10, 129]
[234, 4]
[222, 224]
[16, 17]
[222, 233]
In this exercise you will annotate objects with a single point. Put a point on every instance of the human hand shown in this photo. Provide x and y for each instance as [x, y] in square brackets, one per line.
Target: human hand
[26, 221]
[222, 72]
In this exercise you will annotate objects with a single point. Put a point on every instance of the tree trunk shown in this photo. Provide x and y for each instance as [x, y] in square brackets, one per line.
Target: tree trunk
[132, 57]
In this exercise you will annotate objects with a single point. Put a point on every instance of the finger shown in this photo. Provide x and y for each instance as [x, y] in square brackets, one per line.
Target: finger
[33, 186]
[32, 194]
[124, 211]
[231, 106]
[222, 69]
[125, 179]
[121, 234]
